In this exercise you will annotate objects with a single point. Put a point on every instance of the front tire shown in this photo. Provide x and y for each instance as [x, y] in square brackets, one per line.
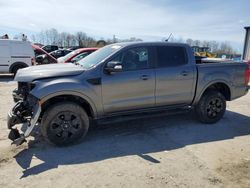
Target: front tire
[64, 123]
[211, 107]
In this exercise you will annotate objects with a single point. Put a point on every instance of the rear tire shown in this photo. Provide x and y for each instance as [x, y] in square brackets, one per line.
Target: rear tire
[64, 123]
[211, 107]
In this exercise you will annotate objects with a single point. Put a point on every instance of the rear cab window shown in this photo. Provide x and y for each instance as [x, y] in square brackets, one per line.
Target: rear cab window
[171, 56]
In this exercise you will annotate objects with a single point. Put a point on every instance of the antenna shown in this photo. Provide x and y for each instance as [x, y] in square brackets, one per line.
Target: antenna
[169, 37]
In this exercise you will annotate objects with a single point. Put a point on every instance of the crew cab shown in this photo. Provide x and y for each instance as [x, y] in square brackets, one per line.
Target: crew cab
[122, 80]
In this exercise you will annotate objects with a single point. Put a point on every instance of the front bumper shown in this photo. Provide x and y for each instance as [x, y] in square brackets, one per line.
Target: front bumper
[15, 117]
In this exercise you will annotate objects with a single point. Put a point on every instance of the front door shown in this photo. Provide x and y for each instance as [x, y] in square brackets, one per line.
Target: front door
[133, 87]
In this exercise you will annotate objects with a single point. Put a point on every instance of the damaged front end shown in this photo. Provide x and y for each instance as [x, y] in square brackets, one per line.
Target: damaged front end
[26, 111]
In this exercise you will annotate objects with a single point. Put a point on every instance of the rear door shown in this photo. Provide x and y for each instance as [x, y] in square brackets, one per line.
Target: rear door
[134, 87]
[5, 59]
[175, 76]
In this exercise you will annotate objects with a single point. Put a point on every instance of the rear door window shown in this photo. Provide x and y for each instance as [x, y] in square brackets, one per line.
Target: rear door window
[171, 56]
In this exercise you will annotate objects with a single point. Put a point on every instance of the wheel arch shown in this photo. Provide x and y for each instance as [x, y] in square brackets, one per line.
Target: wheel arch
[221, 86]
[75, 97]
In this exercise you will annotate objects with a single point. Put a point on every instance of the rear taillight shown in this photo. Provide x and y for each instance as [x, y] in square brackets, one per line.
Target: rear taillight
[247, 75]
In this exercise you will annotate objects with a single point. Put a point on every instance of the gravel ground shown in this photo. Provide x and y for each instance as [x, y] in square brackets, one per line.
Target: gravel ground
[170, 151]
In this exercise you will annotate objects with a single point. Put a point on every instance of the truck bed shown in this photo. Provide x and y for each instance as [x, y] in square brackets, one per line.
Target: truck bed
[229, 73]
[202, 60]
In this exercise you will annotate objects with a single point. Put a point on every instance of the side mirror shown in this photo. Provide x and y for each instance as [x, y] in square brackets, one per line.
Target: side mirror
[113, 66]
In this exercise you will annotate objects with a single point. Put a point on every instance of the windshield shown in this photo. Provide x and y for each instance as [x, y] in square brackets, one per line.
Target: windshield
[97, 56]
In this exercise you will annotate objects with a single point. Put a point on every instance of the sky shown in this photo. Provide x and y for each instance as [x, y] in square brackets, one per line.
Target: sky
[149, 20]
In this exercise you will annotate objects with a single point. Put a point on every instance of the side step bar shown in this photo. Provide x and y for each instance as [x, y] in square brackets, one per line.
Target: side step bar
[120, 118]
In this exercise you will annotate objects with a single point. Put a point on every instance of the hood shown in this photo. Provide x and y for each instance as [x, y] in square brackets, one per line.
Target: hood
[47, 71]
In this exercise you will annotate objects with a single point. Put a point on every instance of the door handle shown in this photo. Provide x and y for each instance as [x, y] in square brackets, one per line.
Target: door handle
[184, 73]
[144, 77]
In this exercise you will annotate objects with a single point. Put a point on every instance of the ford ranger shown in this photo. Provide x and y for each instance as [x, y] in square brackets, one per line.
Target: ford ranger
[121, 80]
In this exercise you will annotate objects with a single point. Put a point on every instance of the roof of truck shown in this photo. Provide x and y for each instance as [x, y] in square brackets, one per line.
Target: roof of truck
[123, 44]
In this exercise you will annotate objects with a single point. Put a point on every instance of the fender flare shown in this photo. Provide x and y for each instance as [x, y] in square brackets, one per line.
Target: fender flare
[72, 93]
[198, 97]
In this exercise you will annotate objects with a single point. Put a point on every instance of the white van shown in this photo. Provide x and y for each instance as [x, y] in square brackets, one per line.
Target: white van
[14, 55]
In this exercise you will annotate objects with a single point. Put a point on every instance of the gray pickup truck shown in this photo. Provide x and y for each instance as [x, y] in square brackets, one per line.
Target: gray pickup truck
[121, 80]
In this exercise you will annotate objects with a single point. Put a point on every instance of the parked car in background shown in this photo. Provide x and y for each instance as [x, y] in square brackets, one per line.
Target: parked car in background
[50, 48]
[14, 55]
[74, 47]
[39, 44]
[79, 57]
[60, 53]
[43, 57]
[69, 57]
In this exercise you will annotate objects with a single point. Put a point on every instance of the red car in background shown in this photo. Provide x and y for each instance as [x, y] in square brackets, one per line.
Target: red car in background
[76, 55]
[43, 57]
